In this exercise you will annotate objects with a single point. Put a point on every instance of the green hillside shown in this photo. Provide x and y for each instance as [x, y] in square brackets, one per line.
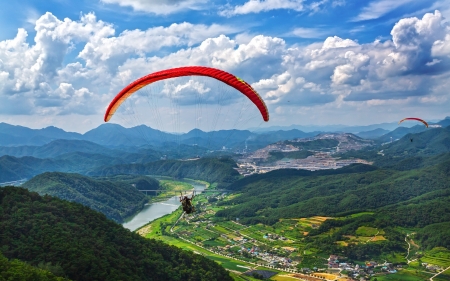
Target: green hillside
[16, 270]
[431, 142]
[273, 196]
[116, 200]
[85, 245]
[208, 169]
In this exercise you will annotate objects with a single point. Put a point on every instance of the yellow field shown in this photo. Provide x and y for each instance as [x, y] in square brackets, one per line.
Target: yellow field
[144, 230]
[342, 243]
[321, 218]
[283, 278]
[378, 238]
[325, 275]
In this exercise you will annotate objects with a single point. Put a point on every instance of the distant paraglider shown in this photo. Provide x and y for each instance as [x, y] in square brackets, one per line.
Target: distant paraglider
[414, 118]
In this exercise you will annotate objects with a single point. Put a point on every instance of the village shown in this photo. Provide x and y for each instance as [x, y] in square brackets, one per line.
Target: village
[266, 247]
[256, 251]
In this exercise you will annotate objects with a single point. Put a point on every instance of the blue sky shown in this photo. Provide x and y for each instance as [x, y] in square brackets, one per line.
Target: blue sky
[313, 62]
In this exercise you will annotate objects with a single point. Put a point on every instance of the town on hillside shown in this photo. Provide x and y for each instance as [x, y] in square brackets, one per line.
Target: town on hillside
[321, 156]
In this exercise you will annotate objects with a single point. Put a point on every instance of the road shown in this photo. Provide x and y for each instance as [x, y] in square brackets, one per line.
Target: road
[409, 247]
[431, 278]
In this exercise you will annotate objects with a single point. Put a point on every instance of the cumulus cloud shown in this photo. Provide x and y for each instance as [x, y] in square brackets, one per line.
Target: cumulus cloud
[258, 6]
[338, 72]
[37, 72]
[160, 7]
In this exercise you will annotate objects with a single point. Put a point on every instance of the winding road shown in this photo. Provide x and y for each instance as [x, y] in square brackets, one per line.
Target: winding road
[431, 278]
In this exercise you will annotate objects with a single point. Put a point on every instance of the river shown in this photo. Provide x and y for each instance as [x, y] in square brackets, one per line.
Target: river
[153, 211]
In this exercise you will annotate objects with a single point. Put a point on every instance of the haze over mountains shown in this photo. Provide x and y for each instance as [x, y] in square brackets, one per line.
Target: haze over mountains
[348, 129]
[28, 152]
[113, 135]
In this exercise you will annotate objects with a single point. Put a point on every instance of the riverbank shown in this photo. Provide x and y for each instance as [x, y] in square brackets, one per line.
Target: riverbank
[157, 209]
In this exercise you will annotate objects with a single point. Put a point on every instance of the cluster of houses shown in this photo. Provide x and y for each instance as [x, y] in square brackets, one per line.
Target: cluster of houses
[272, 237]
[269, 258]
[361, 271]
[431, 267]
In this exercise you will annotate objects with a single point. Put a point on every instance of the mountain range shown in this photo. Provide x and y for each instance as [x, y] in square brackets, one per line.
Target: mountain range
[116, 136]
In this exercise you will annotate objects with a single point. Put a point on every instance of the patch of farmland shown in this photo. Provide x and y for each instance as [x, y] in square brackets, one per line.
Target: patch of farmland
[366, 231]
[378, 238]
[220, 229]
[326, 276]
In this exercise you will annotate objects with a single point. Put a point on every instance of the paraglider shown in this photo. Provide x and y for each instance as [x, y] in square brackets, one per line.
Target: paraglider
[414, 118]
[186, 202]
[217, 74]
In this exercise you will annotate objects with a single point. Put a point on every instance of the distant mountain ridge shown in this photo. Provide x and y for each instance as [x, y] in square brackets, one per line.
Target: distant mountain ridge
[114, 135]
[55, 148]
[372, 134]
[11, 135]
[399, 132]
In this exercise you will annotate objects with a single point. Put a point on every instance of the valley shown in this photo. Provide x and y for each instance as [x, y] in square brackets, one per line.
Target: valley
[287, 248]
[322, 207]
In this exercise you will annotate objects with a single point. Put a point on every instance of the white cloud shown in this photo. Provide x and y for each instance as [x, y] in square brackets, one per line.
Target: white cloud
[337, 3]
[441, 47]
[257, 6]
[317, 6]
[37, 72]
[412, 67]
[379, 8]
[160, 7]
[140, 42]
[304, 32]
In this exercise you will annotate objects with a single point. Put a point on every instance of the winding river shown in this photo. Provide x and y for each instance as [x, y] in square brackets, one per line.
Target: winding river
[156, 210]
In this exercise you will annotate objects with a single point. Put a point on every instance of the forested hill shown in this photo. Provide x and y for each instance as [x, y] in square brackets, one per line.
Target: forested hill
[282, 174]
[430, 142]
[425, 148]
[21, 271]
[208, 169]
[116, 200]
[82, 244]
[273, 196]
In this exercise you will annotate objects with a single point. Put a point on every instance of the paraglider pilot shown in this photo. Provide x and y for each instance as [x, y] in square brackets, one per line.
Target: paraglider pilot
[186, 202]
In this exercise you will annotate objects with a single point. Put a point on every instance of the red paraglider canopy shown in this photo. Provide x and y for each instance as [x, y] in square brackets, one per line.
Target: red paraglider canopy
[414, 118]
[220, 75]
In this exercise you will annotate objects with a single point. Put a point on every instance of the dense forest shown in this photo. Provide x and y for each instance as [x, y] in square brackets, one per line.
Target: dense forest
[116, 199]
[73, 241]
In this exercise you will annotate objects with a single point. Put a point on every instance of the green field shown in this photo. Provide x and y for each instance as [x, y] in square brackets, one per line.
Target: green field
[403, 275]
[438, 256]
[366, 231]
